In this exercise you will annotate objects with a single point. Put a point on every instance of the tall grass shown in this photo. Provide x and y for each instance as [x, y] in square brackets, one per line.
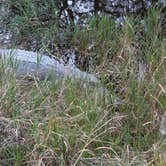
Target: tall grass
[58, 123]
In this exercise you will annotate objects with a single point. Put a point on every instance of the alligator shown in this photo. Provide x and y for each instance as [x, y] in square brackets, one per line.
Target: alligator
[31, 64]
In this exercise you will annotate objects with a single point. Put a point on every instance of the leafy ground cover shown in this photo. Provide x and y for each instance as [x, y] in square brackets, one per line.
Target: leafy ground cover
[60, 123]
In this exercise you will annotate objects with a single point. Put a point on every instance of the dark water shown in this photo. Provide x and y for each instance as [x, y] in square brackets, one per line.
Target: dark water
[78, 11]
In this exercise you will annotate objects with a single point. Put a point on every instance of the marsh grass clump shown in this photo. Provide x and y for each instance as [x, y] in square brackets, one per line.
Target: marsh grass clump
[49, 122]
[59, 123]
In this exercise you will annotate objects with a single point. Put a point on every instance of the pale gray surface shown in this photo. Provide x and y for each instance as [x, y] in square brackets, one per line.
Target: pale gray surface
[34, 64]
[163, 125]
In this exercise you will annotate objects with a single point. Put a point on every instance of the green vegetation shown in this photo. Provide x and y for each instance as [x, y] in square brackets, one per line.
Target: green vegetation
[59, 123]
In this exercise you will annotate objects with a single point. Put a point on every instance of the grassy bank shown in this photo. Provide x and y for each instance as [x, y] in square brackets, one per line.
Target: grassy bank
[43, 123]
